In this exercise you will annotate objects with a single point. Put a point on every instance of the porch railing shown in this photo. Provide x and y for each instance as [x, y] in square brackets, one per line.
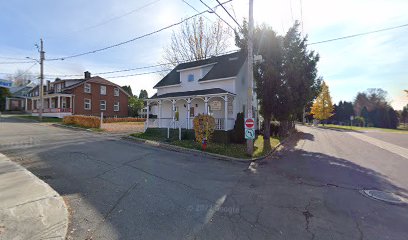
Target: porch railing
[182, 123]
[53, 110]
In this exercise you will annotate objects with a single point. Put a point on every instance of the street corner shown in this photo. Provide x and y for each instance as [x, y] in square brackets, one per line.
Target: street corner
[29, 208]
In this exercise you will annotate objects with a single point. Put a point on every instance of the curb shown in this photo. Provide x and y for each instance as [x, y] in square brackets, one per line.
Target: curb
[75, 128]
[212, 155]
[29, 207]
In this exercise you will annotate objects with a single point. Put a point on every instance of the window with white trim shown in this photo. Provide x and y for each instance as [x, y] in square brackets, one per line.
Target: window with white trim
[87, 88]
[116, 107]
[103, 105]
[87, 104]
[103, 90]
[116, 92]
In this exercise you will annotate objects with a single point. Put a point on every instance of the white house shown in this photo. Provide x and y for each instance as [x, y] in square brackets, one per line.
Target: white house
[216, 86]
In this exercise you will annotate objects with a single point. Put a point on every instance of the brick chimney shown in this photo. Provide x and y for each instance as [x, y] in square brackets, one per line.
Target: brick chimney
[87, 75]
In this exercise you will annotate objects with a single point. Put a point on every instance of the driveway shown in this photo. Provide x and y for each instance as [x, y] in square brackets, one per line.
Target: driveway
[117, 189]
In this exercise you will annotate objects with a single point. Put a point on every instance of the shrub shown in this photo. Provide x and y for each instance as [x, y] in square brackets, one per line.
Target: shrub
[204, 126]
[83, 121]
[275, 125]
[128, 119]
[238, 133]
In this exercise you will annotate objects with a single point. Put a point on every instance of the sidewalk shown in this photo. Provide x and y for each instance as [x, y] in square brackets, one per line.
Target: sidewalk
[29, 208]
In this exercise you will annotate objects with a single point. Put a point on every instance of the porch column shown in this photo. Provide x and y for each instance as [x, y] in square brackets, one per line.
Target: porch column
[188, 112]
[32, 104]
[25, 106]
[206, 105]
[173, 107]
[225, 113]
[147, 114]
[70, 104]
[59, 102]
[160, 112]
[7, 103]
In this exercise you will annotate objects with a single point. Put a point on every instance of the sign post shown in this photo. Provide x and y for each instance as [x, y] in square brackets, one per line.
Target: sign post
[249, 128]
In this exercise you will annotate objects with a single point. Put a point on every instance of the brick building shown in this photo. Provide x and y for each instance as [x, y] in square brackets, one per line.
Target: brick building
[87, 96]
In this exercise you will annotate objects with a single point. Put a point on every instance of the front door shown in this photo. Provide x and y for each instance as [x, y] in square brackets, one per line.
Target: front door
[191, 111]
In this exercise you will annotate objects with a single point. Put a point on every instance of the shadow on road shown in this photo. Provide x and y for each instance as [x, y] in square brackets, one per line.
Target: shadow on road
[323, 169]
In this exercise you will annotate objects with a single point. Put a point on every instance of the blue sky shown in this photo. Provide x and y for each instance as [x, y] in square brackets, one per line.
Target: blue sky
[70, 27]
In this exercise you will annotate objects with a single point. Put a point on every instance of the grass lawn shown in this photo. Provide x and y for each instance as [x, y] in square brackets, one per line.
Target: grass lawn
[231, 150]
[44, 119]
[399, 130]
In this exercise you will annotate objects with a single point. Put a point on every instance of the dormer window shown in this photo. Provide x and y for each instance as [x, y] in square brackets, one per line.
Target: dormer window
[190, 77]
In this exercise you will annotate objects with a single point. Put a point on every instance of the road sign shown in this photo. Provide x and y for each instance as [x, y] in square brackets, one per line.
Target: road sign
[249, 134]
[249, 123]
[5, 83]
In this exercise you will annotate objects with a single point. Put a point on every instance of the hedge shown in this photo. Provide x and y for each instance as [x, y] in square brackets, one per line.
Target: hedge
[83, 121]
[127, 119]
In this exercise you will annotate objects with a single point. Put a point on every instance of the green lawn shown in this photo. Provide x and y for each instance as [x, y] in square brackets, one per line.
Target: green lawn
[44, 119]
[399, 130]
[231, 150]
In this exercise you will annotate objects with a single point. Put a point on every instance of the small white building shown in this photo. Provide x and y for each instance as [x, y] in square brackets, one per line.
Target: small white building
[216, 86]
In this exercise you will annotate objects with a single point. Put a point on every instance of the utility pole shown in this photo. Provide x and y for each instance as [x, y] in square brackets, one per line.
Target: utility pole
[250, 142]
[41, 92]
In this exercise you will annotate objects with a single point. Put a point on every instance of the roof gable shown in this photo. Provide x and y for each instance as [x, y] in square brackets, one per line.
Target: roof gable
[224, 66]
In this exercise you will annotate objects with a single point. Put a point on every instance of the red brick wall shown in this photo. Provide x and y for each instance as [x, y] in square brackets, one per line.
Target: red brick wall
[96, 97]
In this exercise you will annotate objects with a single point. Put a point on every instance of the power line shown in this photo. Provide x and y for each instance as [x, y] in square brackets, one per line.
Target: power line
[132, 69]
[138, 74]
[359, 34]
[116, 71]
[118, 17]
[12, 58]
[131, 40]
[213, 11]
[16, 62]
[228, 13]
[195, 9]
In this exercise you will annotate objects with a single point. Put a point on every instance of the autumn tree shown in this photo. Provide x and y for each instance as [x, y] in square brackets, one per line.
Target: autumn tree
[196, 40]
[322, 107]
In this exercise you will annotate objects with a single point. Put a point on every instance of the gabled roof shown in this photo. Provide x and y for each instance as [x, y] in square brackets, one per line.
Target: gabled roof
[192, 93]
[95, 79]
[225, 66]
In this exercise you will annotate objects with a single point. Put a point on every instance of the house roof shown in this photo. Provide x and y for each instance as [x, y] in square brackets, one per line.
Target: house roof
[95, 79]
[192, 93]
[225, 66]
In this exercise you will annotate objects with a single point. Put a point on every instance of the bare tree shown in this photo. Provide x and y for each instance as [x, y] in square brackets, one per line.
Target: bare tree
[197, 40]
[21, 77]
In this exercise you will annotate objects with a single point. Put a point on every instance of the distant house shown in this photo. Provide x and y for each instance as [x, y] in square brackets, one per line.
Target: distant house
[17, 100]
[87, 96]
[216, 86]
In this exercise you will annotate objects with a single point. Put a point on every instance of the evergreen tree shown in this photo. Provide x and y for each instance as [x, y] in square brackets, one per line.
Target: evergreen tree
[128, 89]
[143, 94]
[322, 108]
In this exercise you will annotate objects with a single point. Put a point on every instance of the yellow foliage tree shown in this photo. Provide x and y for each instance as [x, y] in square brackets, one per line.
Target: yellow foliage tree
[322, 107]
[204, 126]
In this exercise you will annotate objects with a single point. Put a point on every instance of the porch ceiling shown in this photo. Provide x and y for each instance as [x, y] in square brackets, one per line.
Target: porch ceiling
[204, 92]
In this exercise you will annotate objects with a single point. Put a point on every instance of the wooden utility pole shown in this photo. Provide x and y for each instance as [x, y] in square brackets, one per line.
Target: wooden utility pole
[41, 92]
[250, 142]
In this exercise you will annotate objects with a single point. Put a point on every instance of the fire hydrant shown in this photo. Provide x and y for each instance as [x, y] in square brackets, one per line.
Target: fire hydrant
[204, 144]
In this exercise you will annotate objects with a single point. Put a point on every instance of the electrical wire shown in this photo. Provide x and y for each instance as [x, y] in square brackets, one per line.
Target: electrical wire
[131, 40]
[228, 13]
[213, 11]
[16, 62]
[195, 9]
[359, 34]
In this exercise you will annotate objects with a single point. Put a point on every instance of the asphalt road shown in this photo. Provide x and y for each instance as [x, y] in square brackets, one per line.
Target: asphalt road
[117, 189]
